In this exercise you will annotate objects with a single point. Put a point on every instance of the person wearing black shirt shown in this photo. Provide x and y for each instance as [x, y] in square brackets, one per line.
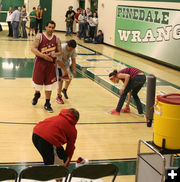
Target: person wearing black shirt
[71, 12]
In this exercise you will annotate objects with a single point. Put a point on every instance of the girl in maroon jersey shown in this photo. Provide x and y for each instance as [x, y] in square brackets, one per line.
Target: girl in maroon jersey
[133, 80]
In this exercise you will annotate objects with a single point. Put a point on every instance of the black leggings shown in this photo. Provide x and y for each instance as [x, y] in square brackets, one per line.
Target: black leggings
[46, 150]
[134, 85]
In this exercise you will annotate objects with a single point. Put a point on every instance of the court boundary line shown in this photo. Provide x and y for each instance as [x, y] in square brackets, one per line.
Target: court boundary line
[104, 123]
[73, 161]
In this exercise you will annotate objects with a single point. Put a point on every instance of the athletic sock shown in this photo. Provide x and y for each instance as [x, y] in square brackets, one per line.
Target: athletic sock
[47, 102]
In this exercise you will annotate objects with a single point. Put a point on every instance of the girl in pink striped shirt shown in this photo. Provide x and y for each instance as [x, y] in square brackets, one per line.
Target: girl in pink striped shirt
[133, 80]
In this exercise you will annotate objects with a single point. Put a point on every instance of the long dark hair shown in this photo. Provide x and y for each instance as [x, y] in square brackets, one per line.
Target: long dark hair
[114, 73]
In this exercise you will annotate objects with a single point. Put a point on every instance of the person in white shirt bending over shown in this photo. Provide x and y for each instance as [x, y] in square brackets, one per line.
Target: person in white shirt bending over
[68, 60]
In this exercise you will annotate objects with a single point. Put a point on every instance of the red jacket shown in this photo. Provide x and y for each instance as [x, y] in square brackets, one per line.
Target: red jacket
[59, 130]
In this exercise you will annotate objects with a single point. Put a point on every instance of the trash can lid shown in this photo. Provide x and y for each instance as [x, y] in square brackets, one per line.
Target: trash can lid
[173, 98]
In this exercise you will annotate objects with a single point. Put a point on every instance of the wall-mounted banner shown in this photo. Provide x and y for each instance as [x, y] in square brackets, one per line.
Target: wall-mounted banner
[151, 32]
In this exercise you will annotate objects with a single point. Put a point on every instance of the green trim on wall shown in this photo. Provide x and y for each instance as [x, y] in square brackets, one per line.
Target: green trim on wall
[177, 1]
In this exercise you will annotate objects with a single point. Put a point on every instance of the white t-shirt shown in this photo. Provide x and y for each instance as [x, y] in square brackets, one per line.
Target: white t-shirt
[9, 17]
[66, 55]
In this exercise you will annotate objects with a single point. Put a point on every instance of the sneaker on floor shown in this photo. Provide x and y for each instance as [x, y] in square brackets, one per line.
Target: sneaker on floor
[48, 108]
[36, 97]
[141, 115]
[114, 112]
[59, 100]
[125, 110]
[65, 93]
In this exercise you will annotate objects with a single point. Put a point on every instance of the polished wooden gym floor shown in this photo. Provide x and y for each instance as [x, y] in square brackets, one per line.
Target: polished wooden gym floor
[101, 136]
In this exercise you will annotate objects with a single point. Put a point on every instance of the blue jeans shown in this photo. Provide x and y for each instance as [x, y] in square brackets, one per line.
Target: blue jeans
[24, 29]
[68, 29]
[16, 29]
[82, 30]
[134, 85]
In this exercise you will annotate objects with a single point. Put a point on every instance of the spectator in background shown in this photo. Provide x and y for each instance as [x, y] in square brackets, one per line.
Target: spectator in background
[39, 19]
[77, 20]
[89, 16]
[8, 20]
[99, 39]
[69, 23]
[70, 13]
[32, 17]
[88, 12]
[82, 24]
[15, 22]
[24, 17]
[93, 22]
[20, 25]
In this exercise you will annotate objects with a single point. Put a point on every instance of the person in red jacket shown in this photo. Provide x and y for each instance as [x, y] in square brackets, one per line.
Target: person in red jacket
[54, 132]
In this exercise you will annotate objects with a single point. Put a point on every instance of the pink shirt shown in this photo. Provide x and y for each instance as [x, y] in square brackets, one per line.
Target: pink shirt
[130, 71]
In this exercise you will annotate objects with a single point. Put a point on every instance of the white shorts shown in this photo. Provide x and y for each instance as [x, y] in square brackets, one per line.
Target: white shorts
[46, 87]
[77, 27]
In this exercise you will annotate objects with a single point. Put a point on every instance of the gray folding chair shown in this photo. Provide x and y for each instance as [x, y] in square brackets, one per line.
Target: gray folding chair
[44, 173]
[95, 171]
[7, 173]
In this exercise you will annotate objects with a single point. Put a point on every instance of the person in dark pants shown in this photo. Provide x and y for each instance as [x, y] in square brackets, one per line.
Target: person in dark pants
[133, 80]
[15, 22]
[70, 13]
[97, 40]
[8, 20]
[53, 133]
[39, 19]
[24, 17]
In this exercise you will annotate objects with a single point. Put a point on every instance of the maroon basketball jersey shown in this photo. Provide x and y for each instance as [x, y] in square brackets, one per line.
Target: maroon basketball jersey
[47, 46]
[44, 72]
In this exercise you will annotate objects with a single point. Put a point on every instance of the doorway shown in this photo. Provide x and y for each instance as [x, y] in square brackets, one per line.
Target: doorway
[82, 4]
[94, 5]
[47, 9]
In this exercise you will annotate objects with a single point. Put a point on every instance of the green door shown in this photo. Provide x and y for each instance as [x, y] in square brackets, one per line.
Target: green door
[47, 9]
[82, 4]
[5, 7]
[94, 5]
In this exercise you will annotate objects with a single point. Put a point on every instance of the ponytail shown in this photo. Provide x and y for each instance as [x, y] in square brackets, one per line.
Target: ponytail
[114, 73]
